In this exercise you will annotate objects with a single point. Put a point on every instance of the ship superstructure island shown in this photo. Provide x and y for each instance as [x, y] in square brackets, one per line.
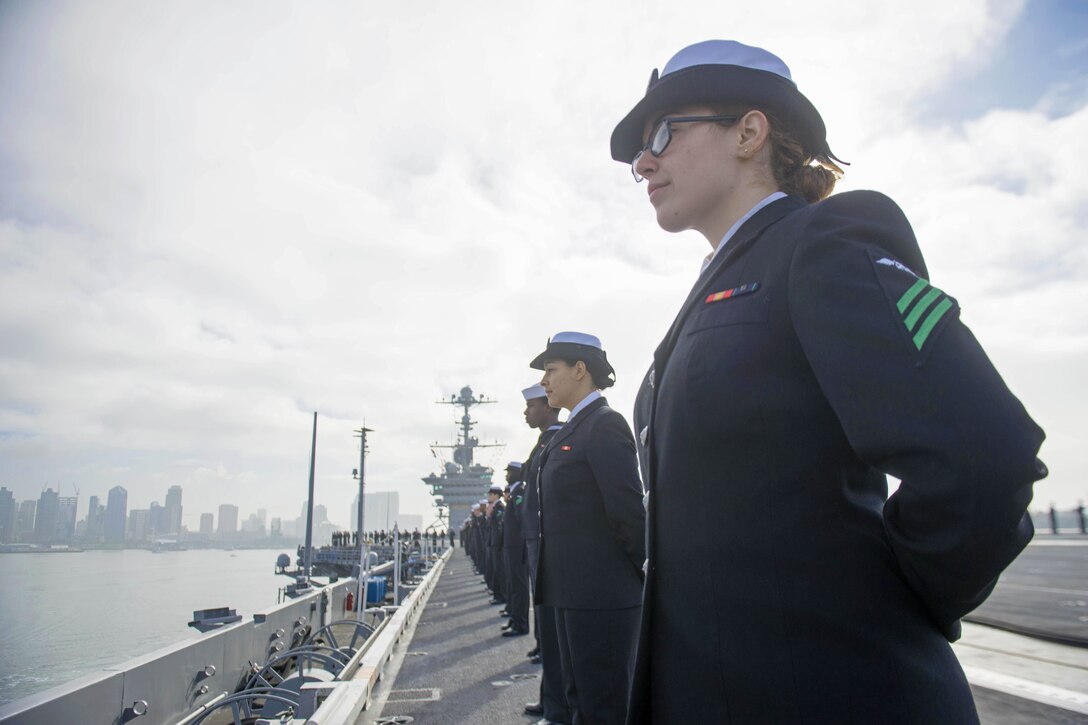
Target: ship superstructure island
[462, 482]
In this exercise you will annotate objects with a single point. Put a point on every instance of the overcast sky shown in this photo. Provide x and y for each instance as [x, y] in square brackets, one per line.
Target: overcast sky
[217, 218]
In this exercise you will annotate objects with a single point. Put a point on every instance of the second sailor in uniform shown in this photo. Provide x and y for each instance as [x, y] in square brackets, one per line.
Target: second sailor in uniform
[592, 521]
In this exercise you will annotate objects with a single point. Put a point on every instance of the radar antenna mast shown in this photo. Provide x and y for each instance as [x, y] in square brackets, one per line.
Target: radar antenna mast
[462, 482]
[466, 442]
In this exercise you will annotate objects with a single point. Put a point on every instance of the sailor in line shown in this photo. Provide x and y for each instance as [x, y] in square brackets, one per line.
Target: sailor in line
[592, 531]
[513, 549]
[812, 357]
[552, 704]
[479, 537]
[496, 512]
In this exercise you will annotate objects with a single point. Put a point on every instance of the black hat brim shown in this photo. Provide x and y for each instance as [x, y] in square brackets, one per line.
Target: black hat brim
[715, 84]
[594, 358]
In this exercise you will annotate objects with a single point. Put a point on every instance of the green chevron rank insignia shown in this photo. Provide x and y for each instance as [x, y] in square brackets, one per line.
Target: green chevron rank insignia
[919, 306]
[922, 307]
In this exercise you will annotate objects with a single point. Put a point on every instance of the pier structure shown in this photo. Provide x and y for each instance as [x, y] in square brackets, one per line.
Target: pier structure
[462, 481]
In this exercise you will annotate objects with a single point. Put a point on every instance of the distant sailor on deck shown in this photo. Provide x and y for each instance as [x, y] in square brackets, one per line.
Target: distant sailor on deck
[496, 512]
[811, 358]
[513, 549]
[478, 529]
[592, 521]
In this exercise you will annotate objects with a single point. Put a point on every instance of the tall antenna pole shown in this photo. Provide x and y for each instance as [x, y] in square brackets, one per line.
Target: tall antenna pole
[462, 486]
[364, 560]
[308, 552]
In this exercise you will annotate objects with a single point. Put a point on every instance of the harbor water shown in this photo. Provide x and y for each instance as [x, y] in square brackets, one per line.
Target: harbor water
[67, 615]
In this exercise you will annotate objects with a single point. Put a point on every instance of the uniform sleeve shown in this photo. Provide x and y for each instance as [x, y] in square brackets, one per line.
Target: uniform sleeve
[517, 499]
[642, 412]
[917, 398]
[615, 467]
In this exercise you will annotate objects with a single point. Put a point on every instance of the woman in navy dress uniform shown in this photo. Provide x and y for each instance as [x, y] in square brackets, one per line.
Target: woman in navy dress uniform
[812, 357]
[592, 531]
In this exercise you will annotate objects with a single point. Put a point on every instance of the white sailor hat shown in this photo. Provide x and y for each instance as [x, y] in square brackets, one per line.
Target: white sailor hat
[495, 488]
[514, 464]
[534, 391]
[574, 346]
[716, 71]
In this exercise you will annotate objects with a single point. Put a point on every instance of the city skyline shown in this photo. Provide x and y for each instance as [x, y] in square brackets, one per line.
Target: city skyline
[190, 517]
[55, 520]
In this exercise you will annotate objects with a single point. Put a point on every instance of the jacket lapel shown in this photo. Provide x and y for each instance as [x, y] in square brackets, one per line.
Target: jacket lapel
[745, 237]
[568, 429]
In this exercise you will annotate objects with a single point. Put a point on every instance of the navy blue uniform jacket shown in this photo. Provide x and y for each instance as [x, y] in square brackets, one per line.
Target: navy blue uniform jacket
[512, 523]
[810, 359]
[495, 525]
[592, 519]
[530, 519]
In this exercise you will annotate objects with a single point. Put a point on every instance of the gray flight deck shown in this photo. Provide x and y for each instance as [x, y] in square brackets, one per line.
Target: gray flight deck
[455, 668]
[1025, 650]
[1044, 592]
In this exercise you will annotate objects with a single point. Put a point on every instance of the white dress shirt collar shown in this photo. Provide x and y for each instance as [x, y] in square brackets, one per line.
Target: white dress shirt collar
[585, 401]
[733, 229]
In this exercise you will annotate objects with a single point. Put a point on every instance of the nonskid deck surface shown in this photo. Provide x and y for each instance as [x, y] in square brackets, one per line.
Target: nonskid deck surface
[1019, 680]
[1044, 592]
[1032, 679]
[456, 668]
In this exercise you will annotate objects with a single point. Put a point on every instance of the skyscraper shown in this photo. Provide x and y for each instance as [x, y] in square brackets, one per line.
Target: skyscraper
[116, 516]
[173, 509]
[256, 522]
[139, 525]
[45, 522]
[228, 520]
[382, 508]
[24, 520]
[96, 521]
[207, 524]
[8, 510]
[66, 518]
[156, 520]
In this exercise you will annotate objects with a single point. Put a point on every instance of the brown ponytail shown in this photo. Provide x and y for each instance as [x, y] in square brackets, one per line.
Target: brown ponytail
[796, 171]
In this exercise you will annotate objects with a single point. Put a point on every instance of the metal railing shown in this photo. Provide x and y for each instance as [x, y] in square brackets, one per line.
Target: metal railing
[1054, 521]
[339, 703]
[167, 685]
[182, 682]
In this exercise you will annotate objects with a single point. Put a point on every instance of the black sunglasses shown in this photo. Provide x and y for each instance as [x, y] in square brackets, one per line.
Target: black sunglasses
[662, 135]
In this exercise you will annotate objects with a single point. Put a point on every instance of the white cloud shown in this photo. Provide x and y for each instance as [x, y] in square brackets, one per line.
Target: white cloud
[221, 219]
